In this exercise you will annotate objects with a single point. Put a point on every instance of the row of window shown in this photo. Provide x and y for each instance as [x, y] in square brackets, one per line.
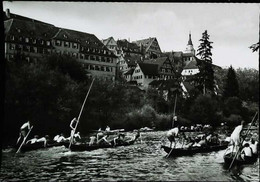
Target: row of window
[40, 50]
[137, 71]
[19, 47]
[67, 44]
[138, 77]
[164, 70]
[98, 67]
[96, 50]
[31, 40]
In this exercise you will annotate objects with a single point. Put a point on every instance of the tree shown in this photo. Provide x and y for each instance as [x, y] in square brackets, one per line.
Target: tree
[205, 78]
[231, 87]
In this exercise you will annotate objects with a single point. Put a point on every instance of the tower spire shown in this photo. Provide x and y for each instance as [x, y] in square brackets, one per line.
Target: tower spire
[190, 42]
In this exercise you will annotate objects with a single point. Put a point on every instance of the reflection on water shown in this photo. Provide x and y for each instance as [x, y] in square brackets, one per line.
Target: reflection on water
[142, 161]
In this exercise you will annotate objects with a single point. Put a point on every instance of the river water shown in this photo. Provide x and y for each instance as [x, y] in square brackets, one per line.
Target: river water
[144, 161]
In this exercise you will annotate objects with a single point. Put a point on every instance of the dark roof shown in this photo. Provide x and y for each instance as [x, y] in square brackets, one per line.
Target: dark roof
[188, 86]
[149, 69]
[188, 54]
[191, 65]
[132, 60]
[125, 44]
[129, 72]
[23, 18]
[29, 29]
[159, 61]
[146, 42]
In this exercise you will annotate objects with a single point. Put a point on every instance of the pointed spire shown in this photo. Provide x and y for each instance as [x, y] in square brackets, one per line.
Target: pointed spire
[190, 42]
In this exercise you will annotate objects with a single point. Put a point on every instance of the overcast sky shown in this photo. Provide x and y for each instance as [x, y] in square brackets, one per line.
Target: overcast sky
[233, 27]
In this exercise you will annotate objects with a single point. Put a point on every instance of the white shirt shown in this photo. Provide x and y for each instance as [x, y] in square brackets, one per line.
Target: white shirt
[236, 132]
[254, 147]
[61, 138]
[56, 137]
[247, 151]
[25, 125]
[173, 132]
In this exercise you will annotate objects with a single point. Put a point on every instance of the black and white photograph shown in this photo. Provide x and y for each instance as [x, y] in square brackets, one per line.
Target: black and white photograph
[130, 91]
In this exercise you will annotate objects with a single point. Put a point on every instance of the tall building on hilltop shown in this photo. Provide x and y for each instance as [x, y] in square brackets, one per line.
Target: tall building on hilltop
[35, 39]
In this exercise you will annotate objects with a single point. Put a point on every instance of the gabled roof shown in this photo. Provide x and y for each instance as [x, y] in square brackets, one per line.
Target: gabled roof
[146, 42]
[129, 72]
[191, 65]
[128, 45]
[108, 40]
[29, 29]
[159, 61]
[149, 69]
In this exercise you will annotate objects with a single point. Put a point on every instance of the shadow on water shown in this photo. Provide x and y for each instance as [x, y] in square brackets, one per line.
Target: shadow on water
[142, 161]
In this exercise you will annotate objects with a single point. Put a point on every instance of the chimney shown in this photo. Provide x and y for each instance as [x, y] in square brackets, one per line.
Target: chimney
[7, 13]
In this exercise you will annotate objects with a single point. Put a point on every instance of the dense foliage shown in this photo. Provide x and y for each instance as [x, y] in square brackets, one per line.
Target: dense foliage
[231, 88]
[205, 78]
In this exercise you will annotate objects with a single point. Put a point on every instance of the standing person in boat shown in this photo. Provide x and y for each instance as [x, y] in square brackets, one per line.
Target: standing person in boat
[93, 140]
[107, 128]
[25, 128]
[73, 124]
[172, 134]
[235, 137]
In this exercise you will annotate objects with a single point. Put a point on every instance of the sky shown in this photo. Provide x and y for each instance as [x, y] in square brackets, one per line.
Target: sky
[232, 27]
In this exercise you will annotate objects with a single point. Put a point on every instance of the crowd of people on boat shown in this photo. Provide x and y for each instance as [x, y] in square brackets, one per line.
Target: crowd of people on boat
[101, 138]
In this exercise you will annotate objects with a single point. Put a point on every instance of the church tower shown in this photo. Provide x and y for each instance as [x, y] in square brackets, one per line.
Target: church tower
[189, 48]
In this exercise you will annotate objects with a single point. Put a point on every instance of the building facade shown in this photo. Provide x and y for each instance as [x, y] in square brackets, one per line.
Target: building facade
[34, 40]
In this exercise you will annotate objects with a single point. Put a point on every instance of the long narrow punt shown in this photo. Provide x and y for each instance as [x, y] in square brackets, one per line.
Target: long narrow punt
[86, 147]
[36, 146]
[228, 158]
[183, 152]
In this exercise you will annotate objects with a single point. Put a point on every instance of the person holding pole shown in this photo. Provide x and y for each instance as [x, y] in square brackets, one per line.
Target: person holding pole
[73, 125]
[25, 128]
[235, 137]
[171, 134]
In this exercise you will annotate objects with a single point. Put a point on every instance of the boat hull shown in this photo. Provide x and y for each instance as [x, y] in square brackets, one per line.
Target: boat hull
[86, 147]
[184, 152]
[36, 146]
[229, 158]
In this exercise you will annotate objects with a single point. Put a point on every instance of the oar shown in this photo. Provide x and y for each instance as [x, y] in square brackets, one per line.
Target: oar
[73, 132]
[24, 140]
[242, 141]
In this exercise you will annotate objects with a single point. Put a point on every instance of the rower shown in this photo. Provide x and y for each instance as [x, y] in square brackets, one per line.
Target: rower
[33, 140]
[92, 140]
[103, 140]
[56, 138]
[107, 128]
[73, 124]
[246, 152]
[253, 146]
[24, 130]
[44, 140]
[61, 138]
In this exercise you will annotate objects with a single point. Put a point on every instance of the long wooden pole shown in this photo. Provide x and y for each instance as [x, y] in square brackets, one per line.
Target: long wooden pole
[24, 140]
[242, 141]
[174, 110]
[73, 132]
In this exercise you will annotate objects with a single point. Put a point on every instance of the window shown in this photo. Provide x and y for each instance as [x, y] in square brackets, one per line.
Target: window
[12, 46]
[75, 45]
[21, 38]
[108, 69]
[58, 43]
[86, 56]
[27, 59]
[92, 67]
[34, 41]
[26, 48]
[65, 36]
[75, 55]
[35, 49]
[48, 43]
[26, 39]
[42, 42]
[81, 56]
[66, 44]
[102, 68]
[12, 37]
[18, 30]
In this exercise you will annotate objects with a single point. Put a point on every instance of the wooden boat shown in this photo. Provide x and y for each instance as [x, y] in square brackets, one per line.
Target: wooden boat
[191, 151]
[39, 145]
[228, 158]
[86, 147]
